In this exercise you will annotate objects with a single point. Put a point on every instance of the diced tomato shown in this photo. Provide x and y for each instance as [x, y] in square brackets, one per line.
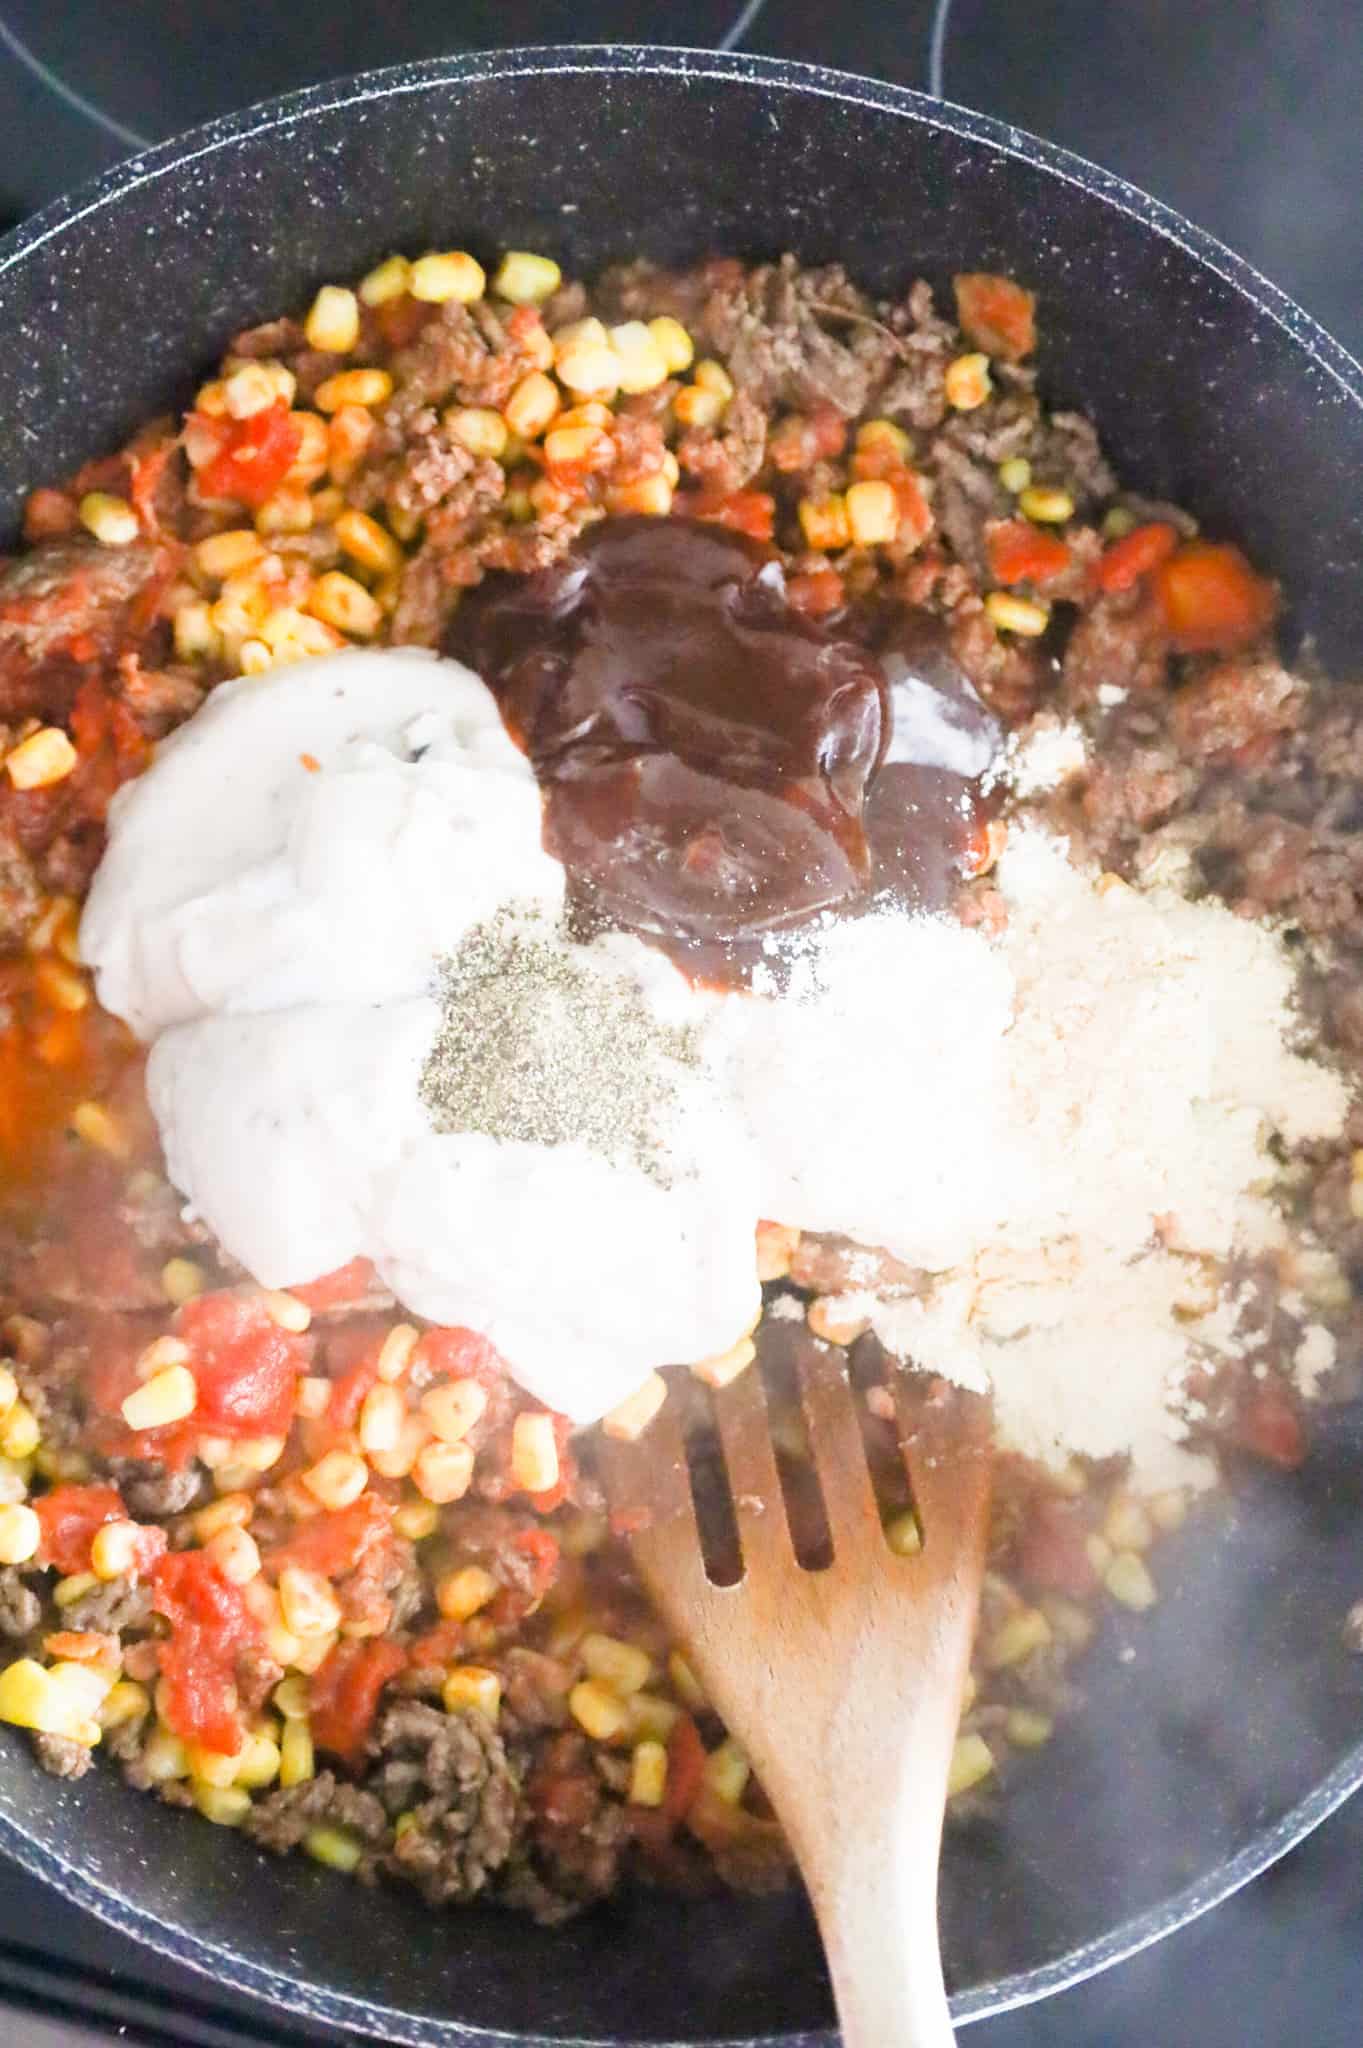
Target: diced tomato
[1054, 1548]
[462, 1354]
[253, 455]
[69, 1516]
[567, 1799]
[345, 1693]
[530, 1568]
[915, 513]
[1212, 600]
[996, 314]
[1122, 566]
[685, 1768]
[750, 512]
[1021, 553]
[83, 1646]
[147, 471]
[210, 1627]
[1269, 1426]
[337, 1542]
[402, 319]
[816, 592]
[439, 1645]
[48, 514]
[347, 1283]
[246, 1367]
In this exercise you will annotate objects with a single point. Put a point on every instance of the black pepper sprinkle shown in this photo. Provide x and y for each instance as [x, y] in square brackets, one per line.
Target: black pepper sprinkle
[541, 1040]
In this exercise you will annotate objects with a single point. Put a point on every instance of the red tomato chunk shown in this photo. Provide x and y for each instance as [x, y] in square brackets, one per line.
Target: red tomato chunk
[345, 1696]
[210, 1627]
[337, 1543]
[246, 1367]
[70, 1516]
[253, 455]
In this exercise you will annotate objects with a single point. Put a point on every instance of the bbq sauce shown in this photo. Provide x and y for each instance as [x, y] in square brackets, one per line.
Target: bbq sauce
[717, 767]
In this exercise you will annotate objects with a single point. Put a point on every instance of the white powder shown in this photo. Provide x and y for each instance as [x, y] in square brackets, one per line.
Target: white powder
[1110, 695]
[1045, 756]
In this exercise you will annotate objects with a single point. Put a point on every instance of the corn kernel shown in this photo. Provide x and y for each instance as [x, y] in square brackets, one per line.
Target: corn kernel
[629, 1419]
[531, 406]
[453, 1408]
[333, 322]
[1118, 523]
[67, 1591]
[353, 387]
[1015, 474]
[285, 1310]
[673, 344]
[290, 1696]
[93, 1124]
[339, 601]
[648, 1775]
[395, 1354]
[368, 543]
[397, 1463]
[225, 1805]
[126, 1702]
[160, 1353]
[967, 382]
[229, 1511]
[585, 360]
[1168, 1511]
[622, 1667]
[1017, 614]
[1129, 1582]
[111, 520]
[524, 279]
[872, 513]
[226, 554]
[382, 1415]
[447, 274]
[416, 1520]
[712, 376]
[727, 1772]
[642, 364]
[599, 1712]
[333, 1847]
[290, 510]
[169, 1396]
[297, 1758]
[464, 1592]
[388, 280]
[307, 1605]
[693, 406]
[649, 495]
[31, 1698]
[257, 1763]
[45, 757]
[1026, 1729]
[196, 637]
[1126, 1525]
[164, 1757]
[824, 522]
[1018, 1637]
[470, 1685]
[255, 387]
[310, 463]
[442, 1472]
[236, 1554]
[726, 1366]
[885, 434]
[337, 1479]
[113, 1549]
[972, 1761]
[9, 1390]
[903, 1535]
[685, 1682]
[19, 1432]
[20, 1534]
[534, 1453]
[1046, 506]
[479, 429]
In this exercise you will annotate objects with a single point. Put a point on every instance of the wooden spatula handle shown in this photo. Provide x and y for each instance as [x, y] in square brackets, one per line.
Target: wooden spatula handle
[883, 1958]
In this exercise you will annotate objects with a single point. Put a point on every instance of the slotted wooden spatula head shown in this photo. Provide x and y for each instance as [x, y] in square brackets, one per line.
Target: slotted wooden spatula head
[843, 1684]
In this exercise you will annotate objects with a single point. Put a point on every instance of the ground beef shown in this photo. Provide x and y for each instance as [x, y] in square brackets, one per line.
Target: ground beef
[280, 1821]
[61, 591]
[451, 1774]
[770, 328]
[21, 1609]
[62, 1757]
[725, 458]
[152, 1492]
[534, 1690]
[21, 895]
[111, 1608]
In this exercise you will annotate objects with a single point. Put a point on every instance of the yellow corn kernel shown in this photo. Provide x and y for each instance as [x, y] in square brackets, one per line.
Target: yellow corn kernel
[685, 1683]
[333, 1847]
[1016, 1638]
[1015, 474]
[339, 601]
[51, 1701]
[564, 447]
[650, 495]
[333, 322]
[828, 1319]
[290, 1696]
[442, 1472]
[1046, 506]
[196, 637]
[532, 406]
[290, 510]
[227, 554]
[470, 1685]
[368, 543]
[452, 1409]
[164, 1757]
[534, 1453]
[297, 1758]
[416, 1520]
[337, 1479]
[255, 387]
[629, 1419]
[462, 1593]
[446, 274]
[257, 1762]
[1026, 1729]
[156, 1356]
[479, 429]
[623, 1667]
[903, 1535]
[972, 1761]
[885, 434]
[249, 1454]
[398, 1463]
[673, 344]
[725, 1366]
[1017, 614]
[648, 1774]
[19, 1432]
[1168, 1511]
[20, 1534]
[388, 280]
[872, 513]
[225, 1805]
[61, 986]
[45, 757]
[310, 463]
[1129, 1582]
[524, 279]
[181, 1281]
[1099, 1553]
[111, 520]
[1117, 523]
[212, 399]
[727, 1772]
[712, 376]
[1126, 1525]
[395, 1354]
[694, 406]
[967, 382]
[211, 1766]
[169, 1396]
[229, 1511]
[652, 1719]
[9, 1390]
[599, 1712]
[824, 522]
[113, 1549]
[67, 1591]
[353, 387]
[307, 1605]
[285, 1310]
[126, 1702]
[642, 366]
[236, 1554]
[381, 1418]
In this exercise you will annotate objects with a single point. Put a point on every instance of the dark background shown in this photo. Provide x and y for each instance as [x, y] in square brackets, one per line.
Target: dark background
[1245, 115]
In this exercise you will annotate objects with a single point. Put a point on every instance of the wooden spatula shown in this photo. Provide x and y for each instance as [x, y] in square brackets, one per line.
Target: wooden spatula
[842, 1685]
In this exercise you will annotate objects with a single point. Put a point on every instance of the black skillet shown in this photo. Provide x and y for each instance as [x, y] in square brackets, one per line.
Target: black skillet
[1228, 1723]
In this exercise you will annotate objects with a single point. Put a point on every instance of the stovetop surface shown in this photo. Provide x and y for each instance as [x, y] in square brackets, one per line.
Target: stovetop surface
[1244, 114]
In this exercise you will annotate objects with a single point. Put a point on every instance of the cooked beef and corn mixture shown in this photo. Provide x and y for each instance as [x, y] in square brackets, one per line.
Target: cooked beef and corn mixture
[294, 1547]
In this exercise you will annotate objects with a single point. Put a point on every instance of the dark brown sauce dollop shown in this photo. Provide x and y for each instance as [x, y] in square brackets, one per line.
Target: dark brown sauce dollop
[715, 765]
